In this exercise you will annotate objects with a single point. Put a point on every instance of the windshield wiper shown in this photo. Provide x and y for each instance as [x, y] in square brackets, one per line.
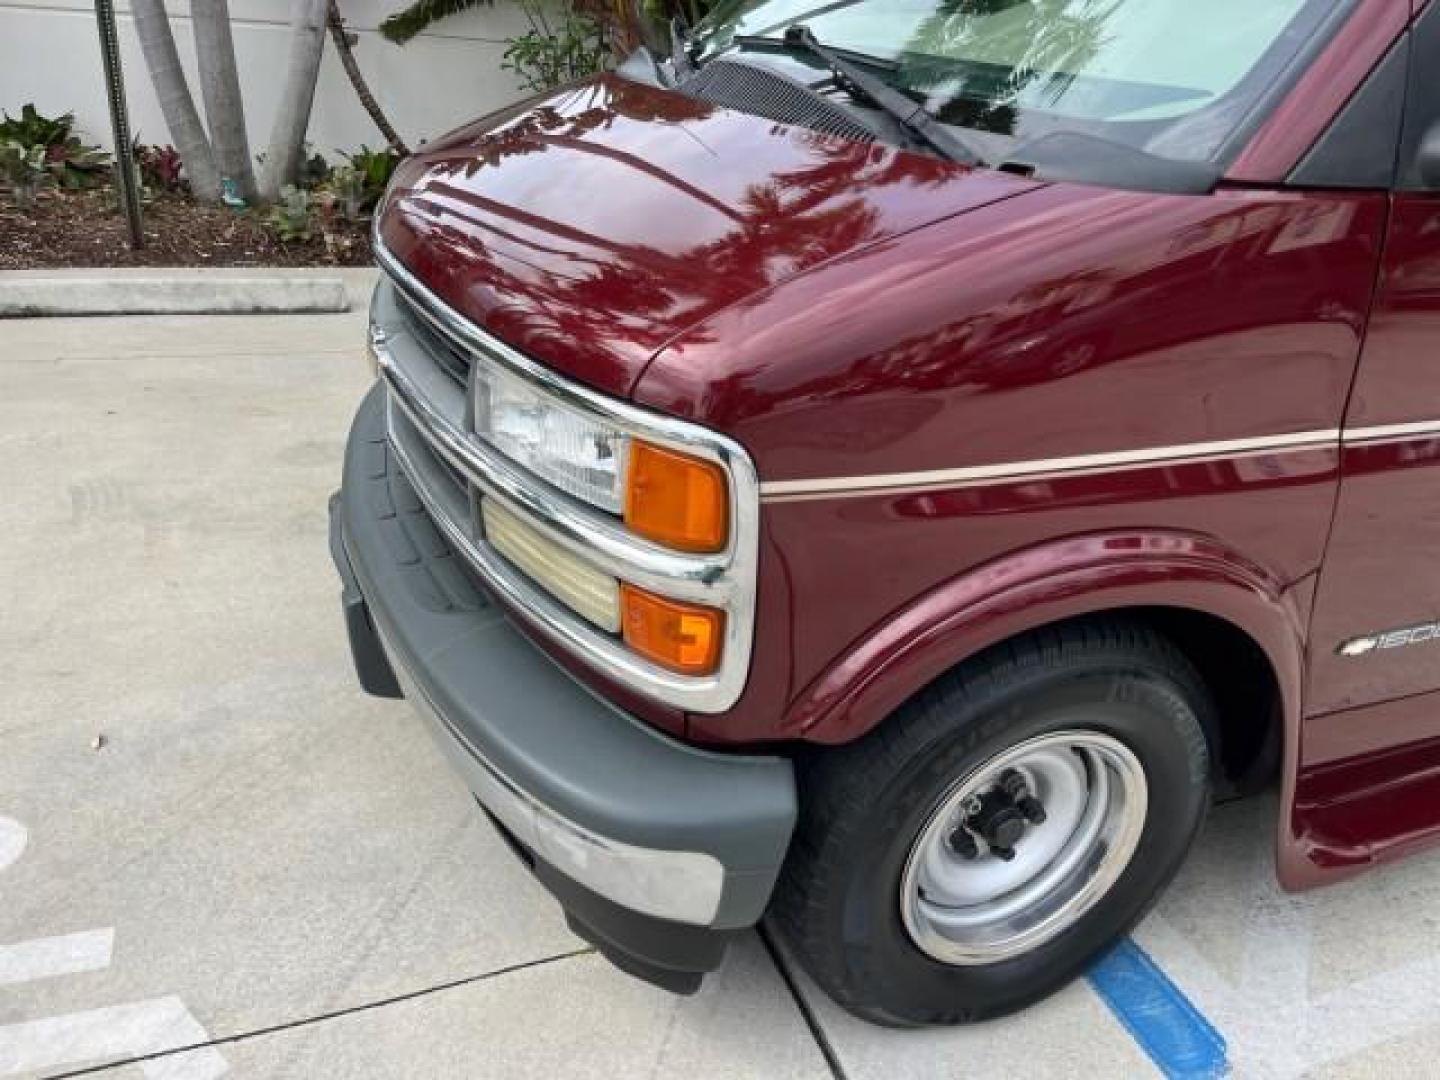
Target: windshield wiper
[910, 116]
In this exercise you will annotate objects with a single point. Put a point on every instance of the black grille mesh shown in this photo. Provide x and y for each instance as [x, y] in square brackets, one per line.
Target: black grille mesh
[760, 92]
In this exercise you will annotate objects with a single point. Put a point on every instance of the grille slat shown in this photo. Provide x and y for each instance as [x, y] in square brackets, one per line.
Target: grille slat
[453, 473]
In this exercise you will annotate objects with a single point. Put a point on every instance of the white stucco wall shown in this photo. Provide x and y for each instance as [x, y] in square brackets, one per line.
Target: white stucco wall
[50, 55]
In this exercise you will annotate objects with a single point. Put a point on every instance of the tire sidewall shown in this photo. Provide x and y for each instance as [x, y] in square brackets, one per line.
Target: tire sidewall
[1147, 713]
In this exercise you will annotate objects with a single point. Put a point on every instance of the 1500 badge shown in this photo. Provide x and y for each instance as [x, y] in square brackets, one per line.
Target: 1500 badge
[1391, 639]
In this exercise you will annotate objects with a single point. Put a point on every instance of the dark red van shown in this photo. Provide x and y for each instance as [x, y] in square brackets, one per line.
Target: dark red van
[890, 466]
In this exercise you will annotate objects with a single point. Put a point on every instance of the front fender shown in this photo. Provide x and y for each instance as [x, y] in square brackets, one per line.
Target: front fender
[1059, 580]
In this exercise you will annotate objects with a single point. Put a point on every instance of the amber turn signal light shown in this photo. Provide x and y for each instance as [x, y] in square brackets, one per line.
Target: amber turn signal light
[676, 500]
[679, 636]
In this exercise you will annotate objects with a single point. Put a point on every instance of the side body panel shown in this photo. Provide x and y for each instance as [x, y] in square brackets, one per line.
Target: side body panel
[1367, 785]
[1379, 572]
[1085, 322]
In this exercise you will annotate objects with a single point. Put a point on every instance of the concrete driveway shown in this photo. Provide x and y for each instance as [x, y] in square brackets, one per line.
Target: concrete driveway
[217, 857]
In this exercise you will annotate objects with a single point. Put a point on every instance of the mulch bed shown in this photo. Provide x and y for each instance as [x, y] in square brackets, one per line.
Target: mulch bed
[86, 228]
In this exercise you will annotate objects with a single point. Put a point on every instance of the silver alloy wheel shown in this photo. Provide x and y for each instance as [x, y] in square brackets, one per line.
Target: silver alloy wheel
[965, 905]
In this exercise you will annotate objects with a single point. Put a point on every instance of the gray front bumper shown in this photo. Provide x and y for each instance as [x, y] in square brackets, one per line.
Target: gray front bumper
[658, 828]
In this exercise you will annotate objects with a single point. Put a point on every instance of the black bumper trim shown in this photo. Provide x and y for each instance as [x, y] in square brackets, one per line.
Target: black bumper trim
[372, 666]
[669, 955]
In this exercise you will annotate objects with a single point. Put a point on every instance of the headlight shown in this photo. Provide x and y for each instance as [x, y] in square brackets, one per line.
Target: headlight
[578, 453]
[673, 498]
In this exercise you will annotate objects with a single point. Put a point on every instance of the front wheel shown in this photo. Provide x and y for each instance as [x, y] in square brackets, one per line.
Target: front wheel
[984, 845]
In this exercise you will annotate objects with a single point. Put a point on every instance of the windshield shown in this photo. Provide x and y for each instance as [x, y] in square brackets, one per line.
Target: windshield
[1175, 78]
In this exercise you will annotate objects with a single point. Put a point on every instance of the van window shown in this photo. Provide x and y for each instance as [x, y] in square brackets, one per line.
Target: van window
[1422, 108]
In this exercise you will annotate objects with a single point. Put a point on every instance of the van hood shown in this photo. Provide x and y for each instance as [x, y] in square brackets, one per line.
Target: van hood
[591, 227]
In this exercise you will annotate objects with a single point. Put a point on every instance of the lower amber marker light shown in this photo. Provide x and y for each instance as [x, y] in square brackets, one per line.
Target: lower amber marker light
[685, 638]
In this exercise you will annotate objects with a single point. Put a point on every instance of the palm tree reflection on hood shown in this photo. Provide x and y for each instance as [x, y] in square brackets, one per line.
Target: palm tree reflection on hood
[551, 282]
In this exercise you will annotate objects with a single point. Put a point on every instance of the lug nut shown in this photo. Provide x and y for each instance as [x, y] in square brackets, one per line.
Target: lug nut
[1032, 808]
[1013, 784]
[963, 844]
[1004, 854]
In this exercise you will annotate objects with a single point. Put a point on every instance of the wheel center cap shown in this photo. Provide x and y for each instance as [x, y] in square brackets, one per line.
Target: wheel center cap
[998, 821]
[999, 817]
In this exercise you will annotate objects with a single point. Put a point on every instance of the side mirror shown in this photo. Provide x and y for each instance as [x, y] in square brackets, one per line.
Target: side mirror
[1427, 157]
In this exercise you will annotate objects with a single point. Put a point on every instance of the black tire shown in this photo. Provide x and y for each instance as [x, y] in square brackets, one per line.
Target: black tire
[863, 805]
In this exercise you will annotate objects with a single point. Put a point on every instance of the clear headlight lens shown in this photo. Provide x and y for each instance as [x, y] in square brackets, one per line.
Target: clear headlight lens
[576, 452]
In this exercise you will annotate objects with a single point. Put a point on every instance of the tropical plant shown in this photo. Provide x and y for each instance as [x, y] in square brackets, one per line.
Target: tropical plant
[75, 165]
[161, 168]
[314, 170]
[421, 15]
[72, 163]
[217, 152]
[224, 106]
[556, 51]
[157, 43]
[287, 135]
[626, 23]
[291, 216]
[692, 11]
[33, 129]
[372, 170]
[24, 171]
[344, 43]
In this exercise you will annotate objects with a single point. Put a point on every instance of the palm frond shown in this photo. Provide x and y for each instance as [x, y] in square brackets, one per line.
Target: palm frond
[419, 16]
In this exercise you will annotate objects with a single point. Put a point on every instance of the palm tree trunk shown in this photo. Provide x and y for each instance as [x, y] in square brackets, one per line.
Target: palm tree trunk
[220, 87]
[292, 117]
[152, 26]
[357, 80]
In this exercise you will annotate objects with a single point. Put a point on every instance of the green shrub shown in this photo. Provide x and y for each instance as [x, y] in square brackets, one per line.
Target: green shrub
[32, 129]
[347, 190]
[291, 216]
[23, 170]
[314, 169]
[550, 53]
[372, 171]
[77, 166]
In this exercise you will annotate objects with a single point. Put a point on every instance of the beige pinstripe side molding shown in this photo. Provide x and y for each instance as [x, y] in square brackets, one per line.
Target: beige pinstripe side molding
[974, 475]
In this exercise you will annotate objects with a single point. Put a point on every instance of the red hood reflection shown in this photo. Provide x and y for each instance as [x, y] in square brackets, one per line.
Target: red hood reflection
[590, 228]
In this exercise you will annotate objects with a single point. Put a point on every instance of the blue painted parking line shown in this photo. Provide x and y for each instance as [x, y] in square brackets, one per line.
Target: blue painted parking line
[1176, 1035]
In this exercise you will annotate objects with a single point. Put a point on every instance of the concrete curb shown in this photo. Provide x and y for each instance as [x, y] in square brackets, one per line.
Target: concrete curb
[27, 294]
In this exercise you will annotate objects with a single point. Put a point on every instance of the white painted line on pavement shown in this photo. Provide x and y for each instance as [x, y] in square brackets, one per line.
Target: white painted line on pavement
[1277, 1026]
[67, 954]
[12, 840]
[144, 1027]
[97, 1035]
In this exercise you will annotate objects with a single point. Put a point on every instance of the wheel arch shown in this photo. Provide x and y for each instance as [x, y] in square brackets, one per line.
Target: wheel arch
[1189, 586]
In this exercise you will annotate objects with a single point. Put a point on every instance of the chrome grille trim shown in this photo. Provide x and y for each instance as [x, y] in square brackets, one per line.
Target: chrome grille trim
[434, 410]
[589, 533]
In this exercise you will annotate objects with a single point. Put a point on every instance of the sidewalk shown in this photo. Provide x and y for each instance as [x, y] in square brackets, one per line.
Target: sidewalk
[263, 864]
